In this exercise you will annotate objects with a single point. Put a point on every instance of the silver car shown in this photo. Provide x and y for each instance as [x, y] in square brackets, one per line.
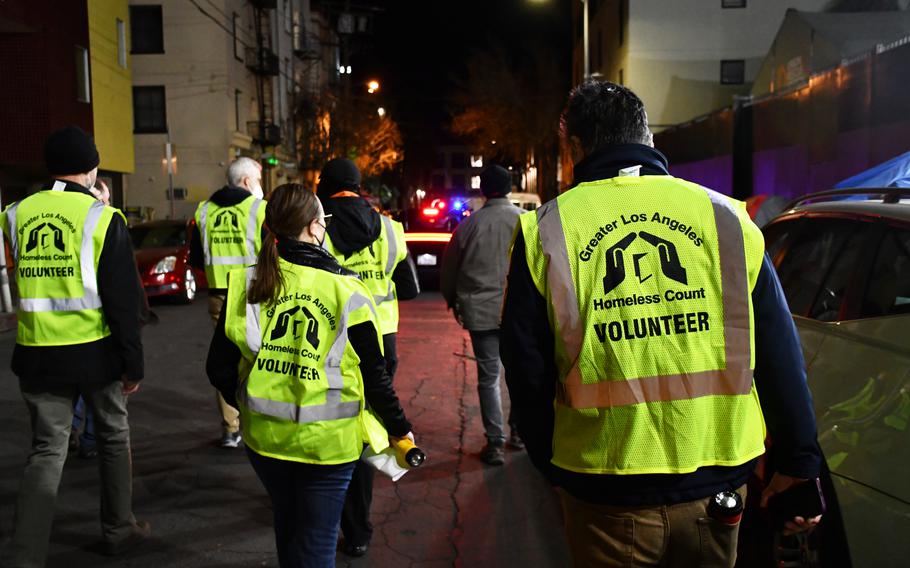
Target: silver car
[843, 258]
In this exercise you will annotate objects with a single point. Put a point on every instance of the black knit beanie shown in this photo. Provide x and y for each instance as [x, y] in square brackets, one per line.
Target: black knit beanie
[339, 174]
[70, 151]
[495, 181]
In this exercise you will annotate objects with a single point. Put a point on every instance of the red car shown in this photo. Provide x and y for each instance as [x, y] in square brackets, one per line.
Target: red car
[162, 254]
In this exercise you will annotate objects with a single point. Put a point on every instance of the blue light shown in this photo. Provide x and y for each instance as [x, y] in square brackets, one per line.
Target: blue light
[457, 205]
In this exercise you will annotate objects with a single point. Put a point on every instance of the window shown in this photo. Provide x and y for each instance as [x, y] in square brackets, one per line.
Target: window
[476, 161]
[235, 23]
[817, 267]
[732, 72]
[83, 77]
[121, 43]
[732, 3]
[146, 29]
[149, 110]
[888, 289]
[475, 182]
[287, 16]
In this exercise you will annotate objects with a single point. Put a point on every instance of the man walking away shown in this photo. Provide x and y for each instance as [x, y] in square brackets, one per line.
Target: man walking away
[78, 334]
[228, 235]
[639, 308]
[472, 281]
[373, 246]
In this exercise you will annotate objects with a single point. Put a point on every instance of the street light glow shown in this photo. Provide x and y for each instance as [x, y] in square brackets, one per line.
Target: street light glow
[372, 86]
[380, 111]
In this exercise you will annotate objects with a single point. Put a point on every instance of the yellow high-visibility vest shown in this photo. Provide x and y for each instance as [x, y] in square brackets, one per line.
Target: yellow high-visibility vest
[648, 282]
[301, 391]
[56, 238]
[231, 237]
[375, 265]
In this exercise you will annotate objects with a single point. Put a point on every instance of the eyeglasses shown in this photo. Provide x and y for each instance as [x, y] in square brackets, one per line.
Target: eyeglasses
[328, 220]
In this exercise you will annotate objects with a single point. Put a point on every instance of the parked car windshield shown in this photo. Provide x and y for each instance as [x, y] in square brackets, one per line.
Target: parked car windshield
[158, 236]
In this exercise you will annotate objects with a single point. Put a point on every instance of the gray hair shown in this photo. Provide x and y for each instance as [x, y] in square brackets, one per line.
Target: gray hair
[241, 168]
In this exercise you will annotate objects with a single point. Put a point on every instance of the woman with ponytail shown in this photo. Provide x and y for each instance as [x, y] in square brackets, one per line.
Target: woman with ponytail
[297, 348]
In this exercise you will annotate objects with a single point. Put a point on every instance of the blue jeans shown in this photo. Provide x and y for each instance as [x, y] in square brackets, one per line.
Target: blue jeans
[306, 501]
[486, 352]
[82, 413]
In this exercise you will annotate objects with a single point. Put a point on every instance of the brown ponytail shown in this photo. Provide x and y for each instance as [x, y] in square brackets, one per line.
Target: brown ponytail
[291, 208]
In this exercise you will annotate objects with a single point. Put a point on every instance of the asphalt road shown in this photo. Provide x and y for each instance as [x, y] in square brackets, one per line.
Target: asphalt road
[207, 508]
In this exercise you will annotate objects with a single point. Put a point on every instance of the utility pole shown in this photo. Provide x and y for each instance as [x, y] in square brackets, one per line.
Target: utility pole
[586, 39]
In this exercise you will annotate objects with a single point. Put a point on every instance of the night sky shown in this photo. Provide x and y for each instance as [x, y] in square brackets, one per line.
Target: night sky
[419, 50]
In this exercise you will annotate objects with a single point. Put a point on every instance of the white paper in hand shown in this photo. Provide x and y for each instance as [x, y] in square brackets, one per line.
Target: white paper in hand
[386, 462]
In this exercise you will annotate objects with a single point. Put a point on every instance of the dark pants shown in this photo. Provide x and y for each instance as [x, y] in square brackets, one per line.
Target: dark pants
[355, 519]
[50, 407]
[306, 501]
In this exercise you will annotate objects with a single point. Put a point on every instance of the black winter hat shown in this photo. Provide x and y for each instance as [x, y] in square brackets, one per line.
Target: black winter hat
[70, 151]
[495, 181]
[338, 174]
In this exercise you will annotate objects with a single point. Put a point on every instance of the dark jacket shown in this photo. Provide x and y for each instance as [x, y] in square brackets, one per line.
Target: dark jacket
[224, 355]
[354, 226]
[121, 301]
[224, 197]
[527, 353]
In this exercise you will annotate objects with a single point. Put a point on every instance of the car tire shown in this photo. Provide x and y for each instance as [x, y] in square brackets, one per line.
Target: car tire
[188, 294]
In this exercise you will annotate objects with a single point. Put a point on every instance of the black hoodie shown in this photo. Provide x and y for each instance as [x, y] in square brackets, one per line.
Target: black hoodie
[356, 225]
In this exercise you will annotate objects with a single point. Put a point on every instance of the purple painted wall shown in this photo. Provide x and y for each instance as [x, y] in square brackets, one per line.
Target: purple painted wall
[713, 173]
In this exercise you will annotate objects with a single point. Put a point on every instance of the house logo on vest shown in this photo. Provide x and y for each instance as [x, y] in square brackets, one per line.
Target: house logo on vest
[285, 324]
[670, 265]
[45, 236]
[227, 220]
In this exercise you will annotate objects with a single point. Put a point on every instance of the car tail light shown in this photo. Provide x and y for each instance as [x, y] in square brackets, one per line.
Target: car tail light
[430, 212]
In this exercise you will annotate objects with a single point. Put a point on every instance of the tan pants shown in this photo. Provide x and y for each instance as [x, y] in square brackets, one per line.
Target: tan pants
[675, 535]
[230, 416]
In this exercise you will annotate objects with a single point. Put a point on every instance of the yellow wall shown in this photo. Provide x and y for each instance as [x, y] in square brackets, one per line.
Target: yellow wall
[112, 86]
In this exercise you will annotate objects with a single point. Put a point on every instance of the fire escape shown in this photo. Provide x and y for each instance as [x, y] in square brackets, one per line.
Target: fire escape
[264, 63]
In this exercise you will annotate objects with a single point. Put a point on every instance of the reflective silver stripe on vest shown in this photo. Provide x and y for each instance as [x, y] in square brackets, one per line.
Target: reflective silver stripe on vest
[393, 245]
[251, 228]
[13, 233]
[90, 299]
[253, 327]
[735, 379]
[333, 408]
[390, 295]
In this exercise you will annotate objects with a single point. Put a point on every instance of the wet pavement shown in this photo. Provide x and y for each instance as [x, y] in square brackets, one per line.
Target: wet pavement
[208, 509]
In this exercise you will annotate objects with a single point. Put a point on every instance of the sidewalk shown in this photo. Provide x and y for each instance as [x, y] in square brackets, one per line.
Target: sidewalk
[208, 509]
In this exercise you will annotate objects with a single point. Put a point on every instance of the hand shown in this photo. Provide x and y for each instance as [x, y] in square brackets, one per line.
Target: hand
[129, 387]
[779, 484]
[101, 192]
[409, 435]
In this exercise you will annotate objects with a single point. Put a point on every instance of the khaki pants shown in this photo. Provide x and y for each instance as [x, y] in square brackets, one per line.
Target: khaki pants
[674, 535]
[230, 416]
[50, 407]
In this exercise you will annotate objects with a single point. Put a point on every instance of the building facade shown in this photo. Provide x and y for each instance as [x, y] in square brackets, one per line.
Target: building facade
[64, 63]
[213, 81]
[683, 58]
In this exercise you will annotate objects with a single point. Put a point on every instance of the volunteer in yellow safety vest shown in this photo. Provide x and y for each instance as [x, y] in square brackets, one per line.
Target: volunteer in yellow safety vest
[78, 335]
[373, 246]
[298, 350]
[637, 307]
[228, 235]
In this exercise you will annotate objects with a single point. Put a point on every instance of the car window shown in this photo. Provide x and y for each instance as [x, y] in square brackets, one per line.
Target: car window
[888, 290]
[778, 234]
[817, 267]
[153, 237]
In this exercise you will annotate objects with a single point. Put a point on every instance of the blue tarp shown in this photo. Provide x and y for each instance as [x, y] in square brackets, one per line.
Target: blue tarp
[893, 173]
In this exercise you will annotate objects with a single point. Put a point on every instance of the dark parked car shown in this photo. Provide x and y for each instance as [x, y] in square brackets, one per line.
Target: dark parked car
[843, 258]
[162, 253]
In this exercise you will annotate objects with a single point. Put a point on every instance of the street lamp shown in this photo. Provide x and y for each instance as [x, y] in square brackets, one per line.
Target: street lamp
[372, 86]
[380, 111]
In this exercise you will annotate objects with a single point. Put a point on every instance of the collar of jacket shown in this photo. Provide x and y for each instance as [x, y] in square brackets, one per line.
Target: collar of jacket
[497, 202]
[70, 186]
[606, 162]
[229, 195]
[313, 256]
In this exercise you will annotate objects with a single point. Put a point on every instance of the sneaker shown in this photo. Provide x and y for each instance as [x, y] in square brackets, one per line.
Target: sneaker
[231, 440]
[493, 454]
[515, 442]
[141, 531]
[355, 550]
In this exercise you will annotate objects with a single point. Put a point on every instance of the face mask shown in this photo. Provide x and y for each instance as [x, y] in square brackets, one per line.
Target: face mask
[256, 190]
